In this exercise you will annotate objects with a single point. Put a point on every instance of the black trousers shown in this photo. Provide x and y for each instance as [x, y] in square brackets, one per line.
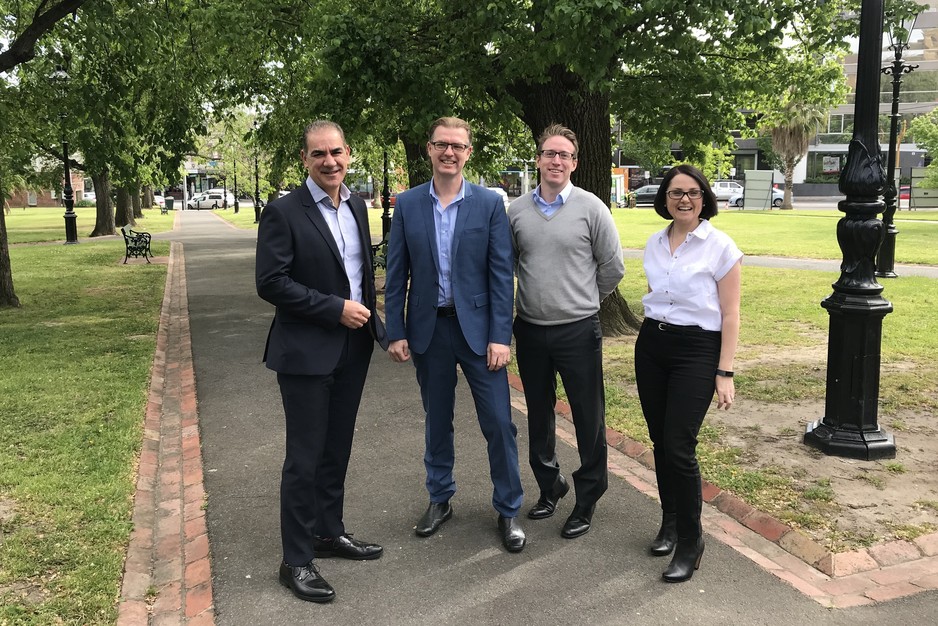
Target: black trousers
[320, 423]
[674, 370]
[574, 351]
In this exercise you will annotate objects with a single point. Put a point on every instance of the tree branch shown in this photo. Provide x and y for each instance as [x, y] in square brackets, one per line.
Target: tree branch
[23, 48]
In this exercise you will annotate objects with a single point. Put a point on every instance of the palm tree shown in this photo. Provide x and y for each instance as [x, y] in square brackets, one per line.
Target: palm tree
[790, 136]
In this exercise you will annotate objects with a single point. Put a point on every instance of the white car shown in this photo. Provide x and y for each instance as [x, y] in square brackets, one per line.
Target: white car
[723, 189]
[211, 199]
[502, 193]
[737, 199]
[159, 201]
[89, 196]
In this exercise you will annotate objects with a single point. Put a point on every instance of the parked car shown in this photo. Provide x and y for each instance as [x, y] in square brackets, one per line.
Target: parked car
[502, 193]
[723, 189]
[211, 199]
[645, 194]
[737, 199]
[159, 201]
[905, 192]
[89, 196]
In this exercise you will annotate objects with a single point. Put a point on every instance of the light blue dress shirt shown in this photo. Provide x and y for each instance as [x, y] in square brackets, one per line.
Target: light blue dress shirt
[444, 218]
[345, 231]
[549, 208]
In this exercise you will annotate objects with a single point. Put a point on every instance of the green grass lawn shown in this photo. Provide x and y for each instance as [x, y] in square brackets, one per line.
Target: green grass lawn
[75, 362]
[40, 224]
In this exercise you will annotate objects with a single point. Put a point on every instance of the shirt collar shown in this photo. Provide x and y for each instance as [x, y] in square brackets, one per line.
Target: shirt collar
[318, 194]
[702, 231]
[563, 195]
[459, 196]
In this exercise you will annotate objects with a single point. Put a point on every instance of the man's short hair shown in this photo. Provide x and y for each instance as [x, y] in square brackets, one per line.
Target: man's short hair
[318, 125]
[559, 130]
[450, 122]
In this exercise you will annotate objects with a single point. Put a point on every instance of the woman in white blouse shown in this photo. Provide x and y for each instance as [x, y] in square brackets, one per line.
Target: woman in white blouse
[685, 351]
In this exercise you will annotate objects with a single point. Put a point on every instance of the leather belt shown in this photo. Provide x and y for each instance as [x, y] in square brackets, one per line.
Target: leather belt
[682, 330]
[446, 311]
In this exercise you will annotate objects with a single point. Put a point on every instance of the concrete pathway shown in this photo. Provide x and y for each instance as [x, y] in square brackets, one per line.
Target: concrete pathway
[231, 411]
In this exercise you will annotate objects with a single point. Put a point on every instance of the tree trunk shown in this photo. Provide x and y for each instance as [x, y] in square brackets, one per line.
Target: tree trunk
[418, 165]
[8, 297]
[565, 99]
[134, 190]
[789, 177]
[104, 210]
[125, 213]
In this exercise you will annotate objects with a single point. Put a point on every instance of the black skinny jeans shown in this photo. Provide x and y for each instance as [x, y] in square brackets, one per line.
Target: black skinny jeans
[674, 370]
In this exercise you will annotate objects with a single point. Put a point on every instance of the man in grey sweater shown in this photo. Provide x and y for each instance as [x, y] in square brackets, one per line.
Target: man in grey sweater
[568, 259]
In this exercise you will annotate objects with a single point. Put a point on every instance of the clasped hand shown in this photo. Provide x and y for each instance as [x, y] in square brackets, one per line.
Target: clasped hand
[354, 314]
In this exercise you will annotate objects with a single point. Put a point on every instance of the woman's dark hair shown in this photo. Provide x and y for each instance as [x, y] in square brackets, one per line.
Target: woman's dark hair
[709, 200]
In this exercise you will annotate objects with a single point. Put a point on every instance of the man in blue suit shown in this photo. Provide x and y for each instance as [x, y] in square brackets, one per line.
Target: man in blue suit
[451, 241]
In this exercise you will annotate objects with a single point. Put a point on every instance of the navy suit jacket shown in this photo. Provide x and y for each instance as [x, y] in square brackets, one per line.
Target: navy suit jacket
[299, 270]
[482, 278]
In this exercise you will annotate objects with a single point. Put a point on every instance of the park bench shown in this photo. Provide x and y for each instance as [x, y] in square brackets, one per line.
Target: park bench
[164, 210]
[379, 255]
[137, 244]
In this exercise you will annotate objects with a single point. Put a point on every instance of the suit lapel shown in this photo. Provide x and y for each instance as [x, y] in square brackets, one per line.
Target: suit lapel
[461, 216]
[426, 210]
[312, 212]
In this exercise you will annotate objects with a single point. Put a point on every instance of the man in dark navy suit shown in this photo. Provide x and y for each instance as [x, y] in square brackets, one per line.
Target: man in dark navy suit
[314, 264]
[450, 259]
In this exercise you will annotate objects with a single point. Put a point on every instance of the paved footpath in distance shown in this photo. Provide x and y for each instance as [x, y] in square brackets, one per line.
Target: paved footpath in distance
[206, 546]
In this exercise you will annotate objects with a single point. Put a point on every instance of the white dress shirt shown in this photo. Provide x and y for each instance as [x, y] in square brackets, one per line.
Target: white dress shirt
[684, 285]
[345, 231]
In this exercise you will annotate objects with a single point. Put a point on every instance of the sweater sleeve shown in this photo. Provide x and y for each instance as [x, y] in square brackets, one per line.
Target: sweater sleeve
[607, 252]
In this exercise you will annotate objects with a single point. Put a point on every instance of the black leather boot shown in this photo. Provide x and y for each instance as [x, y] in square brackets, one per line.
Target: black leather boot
[666, 537]
[686, 559]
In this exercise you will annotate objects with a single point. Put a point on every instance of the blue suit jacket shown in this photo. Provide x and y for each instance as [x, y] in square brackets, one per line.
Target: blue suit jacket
[299, 270]
[482, 279]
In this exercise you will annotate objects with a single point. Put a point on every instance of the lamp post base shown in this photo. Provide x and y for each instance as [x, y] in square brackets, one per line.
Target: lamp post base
[71, 227]
[850, 442]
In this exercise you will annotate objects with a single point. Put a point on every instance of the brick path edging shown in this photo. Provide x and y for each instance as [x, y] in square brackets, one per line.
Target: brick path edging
[881, 572]
[167, 571]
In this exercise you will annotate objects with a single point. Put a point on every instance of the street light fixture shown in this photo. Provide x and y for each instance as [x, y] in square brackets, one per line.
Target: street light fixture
[71, 218]
[385, 203]
[898, 42]
[850, 427]
[257, 189]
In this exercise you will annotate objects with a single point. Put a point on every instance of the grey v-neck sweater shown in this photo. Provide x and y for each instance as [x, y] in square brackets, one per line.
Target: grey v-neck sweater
[567, 263]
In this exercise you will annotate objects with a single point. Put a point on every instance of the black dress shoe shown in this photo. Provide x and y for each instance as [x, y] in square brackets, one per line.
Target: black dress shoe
[579, 521]
[345, 547]
[306, 583]
[685, 561]
[437, 513]
[512, 535]
[666, 538]
[547, 503]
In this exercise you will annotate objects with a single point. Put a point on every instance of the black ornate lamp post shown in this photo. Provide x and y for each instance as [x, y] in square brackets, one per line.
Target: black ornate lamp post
[898, 42]
[257, 188]
[236, 194]
[71, 218]
[385, 203]
[849, 427]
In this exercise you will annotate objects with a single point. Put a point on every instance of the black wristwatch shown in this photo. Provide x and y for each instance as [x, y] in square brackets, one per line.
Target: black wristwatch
[725, 373]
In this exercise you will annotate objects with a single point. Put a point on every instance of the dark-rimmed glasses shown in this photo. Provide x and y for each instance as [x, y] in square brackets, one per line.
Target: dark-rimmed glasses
[693, 194]
[564, 156]
[441, 146]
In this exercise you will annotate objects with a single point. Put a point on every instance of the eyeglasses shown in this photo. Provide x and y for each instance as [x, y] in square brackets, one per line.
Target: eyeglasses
[564, 156]
[441, 146]
[693, 194]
